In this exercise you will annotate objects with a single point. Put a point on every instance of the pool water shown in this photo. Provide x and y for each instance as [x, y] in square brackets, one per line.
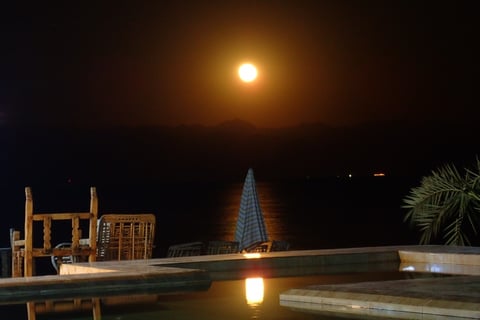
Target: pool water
[223, 300]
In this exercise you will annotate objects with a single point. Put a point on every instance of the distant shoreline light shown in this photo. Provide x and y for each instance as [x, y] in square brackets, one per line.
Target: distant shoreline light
[379, 174]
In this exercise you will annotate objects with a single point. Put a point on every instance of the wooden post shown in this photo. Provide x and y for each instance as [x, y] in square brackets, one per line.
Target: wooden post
[75, 234]
[17, 258]
[47, 234]
[93, 224]
[28, 269]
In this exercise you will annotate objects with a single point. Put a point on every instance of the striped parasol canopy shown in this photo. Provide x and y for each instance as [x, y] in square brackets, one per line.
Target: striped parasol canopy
[250, 227]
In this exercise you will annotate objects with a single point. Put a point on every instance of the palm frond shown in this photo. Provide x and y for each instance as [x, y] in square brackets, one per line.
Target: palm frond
[446, 202]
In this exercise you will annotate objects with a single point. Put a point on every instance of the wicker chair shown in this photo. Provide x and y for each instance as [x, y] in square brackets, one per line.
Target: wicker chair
[125, 236]
[263, 246]
[185, 249]
[119, 237]
[280, 245]
[268, 246]
[222, 247]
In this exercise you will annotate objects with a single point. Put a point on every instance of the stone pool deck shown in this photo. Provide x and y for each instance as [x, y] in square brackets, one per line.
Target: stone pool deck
[423, 298]
[454, 297]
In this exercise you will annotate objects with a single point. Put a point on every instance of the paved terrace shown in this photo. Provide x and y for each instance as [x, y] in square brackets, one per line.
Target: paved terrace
[431, 298]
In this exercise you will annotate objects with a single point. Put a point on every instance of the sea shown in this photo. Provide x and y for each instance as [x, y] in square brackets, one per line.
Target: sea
[322, 213]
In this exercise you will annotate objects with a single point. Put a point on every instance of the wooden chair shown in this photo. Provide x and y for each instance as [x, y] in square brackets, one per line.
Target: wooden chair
[24, 253]
[23, 250]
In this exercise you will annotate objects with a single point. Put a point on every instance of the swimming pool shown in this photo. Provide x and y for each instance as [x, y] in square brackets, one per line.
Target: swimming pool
[250, 298]
[207, 286]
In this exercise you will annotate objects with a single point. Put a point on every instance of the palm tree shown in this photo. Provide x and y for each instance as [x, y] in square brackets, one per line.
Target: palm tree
[446, 205]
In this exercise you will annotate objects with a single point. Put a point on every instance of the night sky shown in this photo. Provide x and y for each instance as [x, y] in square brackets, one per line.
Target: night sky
[93, 63]
[130, 96]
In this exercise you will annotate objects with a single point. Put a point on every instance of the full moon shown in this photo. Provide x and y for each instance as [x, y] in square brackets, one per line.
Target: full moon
[247, 72]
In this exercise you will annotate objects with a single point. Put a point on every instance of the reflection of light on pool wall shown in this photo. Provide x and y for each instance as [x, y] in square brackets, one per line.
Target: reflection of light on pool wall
[254, 290]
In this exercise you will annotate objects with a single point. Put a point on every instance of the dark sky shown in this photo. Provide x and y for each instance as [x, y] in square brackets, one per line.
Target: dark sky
[89, 63]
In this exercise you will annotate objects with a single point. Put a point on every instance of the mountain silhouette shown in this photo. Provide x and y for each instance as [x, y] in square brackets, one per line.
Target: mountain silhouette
[226, 150]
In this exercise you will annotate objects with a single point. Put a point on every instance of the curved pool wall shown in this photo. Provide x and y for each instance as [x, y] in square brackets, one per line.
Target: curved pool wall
[293, 263]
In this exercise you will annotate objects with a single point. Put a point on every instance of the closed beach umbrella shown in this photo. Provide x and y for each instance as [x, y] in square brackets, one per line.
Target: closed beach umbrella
[250, 227]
